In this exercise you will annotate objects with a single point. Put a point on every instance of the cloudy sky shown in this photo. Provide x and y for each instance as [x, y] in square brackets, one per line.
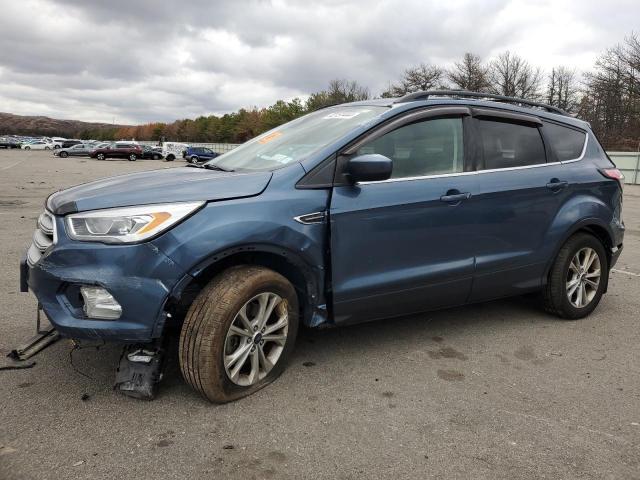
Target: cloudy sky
[136, 61]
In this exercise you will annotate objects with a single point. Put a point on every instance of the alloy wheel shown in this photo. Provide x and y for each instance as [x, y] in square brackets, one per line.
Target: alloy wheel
[583, 277]
[256, 339]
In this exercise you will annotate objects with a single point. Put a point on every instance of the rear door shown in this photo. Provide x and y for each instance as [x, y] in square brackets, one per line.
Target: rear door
[521, 187]
[405, 245]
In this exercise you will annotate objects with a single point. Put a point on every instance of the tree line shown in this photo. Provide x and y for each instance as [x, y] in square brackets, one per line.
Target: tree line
[608, 97]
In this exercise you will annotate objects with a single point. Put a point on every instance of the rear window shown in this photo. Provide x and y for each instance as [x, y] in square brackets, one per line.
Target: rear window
[507, 145]
[568, 143]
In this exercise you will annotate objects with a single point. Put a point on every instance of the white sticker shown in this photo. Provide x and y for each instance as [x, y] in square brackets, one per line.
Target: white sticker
[345, 114]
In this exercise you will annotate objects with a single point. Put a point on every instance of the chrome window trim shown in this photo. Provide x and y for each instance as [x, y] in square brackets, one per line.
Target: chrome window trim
[480, 172]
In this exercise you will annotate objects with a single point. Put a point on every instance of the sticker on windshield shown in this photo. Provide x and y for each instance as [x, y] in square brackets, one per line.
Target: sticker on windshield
[345, 114]
[271, 136]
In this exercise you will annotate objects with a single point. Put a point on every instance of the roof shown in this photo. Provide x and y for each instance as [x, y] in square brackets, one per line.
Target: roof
[453, 97]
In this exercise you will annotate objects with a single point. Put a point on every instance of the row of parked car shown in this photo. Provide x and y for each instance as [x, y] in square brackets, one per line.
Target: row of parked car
[130, 150]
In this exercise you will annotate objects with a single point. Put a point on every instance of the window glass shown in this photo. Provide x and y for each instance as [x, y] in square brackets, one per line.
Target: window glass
[506, 145]
[431, 147]
[566, 142]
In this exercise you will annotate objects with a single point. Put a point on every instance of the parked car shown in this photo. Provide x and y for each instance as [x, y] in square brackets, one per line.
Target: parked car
[58, 142]
[70, 143]
[153, 153]
[118, 150]
[199, 154]
[8, 143]
[352, 213]
[38, 145]
[79, 150]
[173, 150]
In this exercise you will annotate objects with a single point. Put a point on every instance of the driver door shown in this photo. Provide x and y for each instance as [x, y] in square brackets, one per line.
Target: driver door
[405, 245]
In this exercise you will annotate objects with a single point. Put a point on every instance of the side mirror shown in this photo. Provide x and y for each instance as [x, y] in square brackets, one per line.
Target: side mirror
[370, 168]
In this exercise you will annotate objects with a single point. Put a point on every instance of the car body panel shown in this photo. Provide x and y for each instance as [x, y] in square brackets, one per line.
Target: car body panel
[158, 186]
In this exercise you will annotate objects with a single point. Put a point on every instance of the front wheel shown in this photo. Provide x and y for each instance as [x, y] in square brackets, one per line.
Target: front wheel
[133, 157]
[578, 278]
[47, 148]
[64, 154]
[194, 159]
[170, 158]
[27, 148]
[239, 333]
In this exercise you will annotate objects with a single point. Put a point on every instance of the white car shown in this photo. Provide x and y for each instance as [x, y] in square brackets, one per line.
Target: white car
[39, 145]
[57, 142]
[173, 150]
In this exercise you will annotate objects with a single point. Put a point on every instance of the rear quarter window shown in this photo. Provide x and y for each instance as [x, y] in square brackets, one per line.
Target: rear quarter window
[566, 142]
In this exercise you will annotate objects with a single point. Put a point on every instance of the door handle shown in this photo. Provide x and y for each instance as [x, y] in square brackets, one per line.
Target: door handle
[556, 184]
[455, 197]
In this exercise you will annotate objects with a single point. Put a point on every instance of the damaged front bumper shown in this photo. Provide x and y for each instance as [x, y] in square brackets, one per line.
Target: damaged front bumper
[138, 276]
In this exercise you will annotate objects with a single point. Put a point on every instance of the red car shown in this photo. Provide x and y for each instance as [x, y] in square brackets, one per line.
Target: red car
[130, 151]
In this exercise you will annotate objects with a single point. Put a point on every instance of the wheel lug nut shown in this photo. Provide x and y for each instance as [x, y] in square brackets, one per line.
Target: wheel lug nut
[255, 328]
[263, 329]
[253, 349]
[261, 342]
[248, 340]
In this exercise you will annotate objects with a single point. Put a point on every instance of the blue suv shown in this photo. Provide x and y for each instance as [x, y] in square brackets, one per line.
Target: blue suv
[352, 213]
[198, 154]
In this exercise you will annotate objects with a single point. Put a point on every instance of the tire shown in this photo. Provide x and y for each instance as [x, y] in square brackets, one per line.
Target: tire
[206, 334]
[27, 148]
[170, 158]
[64, 154]
[559, 295]
[55, 147]
[194, 159]
[100, 156]
[47, 148]
[133, 157]
[156, 157]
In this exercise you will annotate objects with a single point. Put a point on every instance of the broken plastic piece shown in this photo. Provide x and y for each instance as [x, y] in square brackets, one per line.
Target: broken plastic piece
[139, 371]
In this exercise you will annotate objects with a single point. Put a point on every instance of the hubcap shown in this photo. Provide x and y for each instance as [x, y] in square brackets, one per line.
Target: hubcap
[583, 277]
[256, 339]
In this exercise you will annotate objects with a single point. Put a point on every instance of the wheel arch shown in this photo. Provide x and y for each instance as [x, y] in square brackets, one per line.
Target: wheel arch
[282, 260]
[592, 226]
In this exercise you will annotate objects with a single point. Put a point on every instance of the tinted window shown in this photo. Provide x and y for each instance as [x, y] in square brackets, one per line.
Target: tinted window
[566, 142]
[507, 145]
[431, 147]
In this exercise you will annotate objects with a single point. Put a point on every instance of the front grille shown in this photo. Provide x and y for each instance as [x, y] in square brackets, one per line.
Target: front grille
[43, 238]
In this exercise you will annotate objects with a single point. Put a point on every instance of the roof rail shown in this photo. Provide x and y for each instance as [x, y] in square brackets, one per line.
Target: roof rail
[479, 96]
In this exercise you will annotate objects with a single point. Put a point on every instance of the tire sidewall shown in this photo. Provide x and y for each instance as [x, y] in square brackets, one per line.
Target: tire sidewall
[262, 280]
[100, 156]
[563, 262]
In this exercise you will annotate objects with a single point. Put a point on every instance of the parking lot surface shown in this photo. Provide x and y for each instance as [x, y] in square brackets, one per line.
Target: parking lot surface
[498, 390]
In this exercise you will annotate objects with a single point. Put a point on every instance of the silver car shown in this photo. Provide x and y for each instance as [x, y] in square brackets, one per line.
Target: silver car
[79, 150]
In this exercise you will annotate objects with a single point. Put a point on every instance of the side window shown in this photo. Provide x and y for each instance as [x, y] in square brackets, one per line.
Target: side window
[430, 147]
[566, 142]
[506, 145]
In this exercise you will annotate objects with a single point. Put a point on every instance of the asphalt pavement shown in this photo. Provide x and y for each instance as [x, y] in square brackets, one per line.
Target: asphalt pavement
[498, 390]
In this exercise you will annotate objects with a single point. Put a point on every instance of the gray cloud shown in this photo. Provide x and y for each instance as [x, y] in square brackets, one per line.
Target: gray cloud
[146, 60]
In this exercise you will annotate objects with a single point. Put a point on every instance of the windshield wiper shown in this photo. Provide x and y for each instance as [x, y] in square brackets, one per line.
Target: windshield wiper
[209, 166]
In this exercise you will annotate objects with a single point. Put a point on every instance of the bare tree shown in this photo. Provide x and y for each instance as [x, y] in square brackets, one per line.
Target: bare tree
[416, 79]
[512, 76]
[470, 74]
[339, 91]
[562, 88]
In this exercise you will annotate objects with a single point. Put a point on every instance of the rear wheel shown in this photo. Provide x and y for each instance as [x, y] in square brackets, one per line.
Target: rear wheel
[27, 148]
[194, 159]
[47, 148]
[100, 156]
[239, 333]
[578, 278]
[133, 157]
[170, 158]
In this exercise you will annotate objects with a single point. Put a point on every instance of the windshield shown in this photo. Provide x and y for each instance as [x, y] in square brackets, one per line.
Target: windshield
[298, 139]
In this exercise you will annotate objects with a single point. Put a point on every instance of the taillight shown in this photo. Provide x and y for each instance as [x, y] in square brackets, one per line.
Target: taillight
[614, 174]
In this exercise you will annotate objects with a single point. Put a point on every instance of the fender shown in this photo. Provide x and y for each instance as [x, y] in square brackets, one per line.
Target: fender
[577, 213]
[313, 278]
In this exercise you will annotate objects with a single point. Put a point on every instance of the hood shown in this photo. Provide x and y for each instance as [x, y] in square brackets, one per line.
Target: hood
[158, 186]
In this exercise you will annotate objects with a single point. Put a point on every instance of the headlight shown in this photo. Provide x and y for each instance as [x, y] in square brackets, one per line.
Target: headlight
[129, 224]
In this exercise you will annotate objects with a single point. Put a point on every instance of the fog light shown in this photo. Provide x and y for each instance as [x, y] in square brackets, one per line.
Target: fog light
[98, 303]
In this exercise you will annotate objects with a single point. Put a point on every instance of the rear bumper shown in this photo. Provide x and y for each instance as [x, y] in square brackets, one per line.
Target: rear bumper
[615, 255]
[139, 277]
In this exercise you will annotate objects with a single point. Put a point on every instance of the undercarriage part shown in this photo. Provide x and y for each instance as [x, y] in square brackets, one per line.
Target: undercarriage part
[41, 340]
[140, 370]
